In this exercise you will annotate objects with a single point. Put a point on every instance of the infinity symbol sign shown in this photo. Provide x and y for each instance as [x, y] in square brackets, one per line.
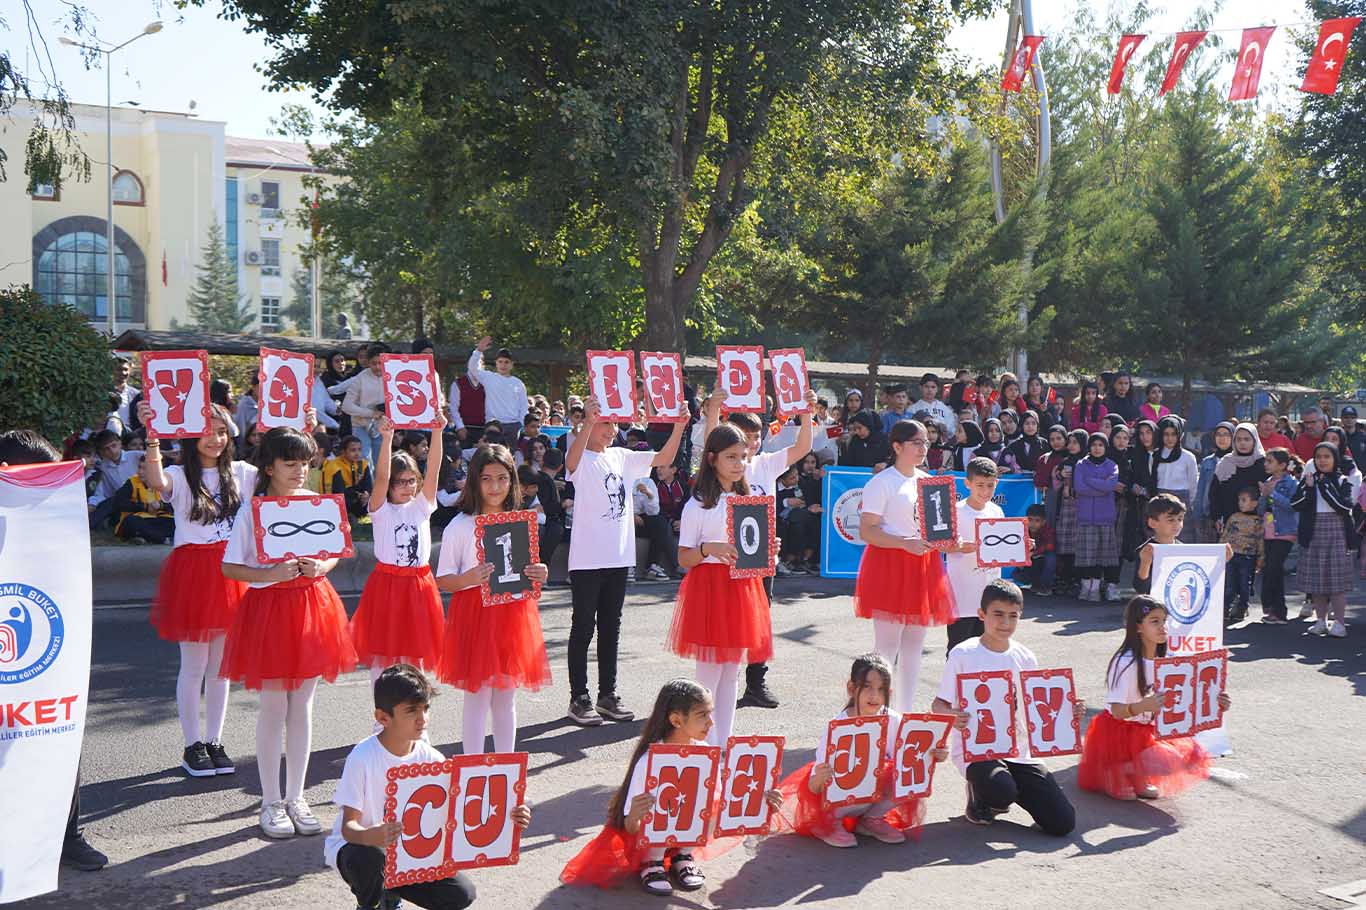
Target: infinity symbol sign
[317, 527]
[996, 540]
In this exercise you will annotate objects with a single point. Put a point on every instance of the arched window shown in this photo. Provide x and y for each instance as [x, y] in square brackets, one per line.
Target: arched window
[70, 266]
[127, 189]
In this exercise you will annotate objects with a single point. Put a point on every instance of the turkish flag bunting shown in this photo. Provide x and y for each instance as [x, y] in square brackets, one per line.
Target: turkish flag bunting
[1185, 43]
[1248, 71]
[1325, 67]
[1127, 45]
[1024, 58]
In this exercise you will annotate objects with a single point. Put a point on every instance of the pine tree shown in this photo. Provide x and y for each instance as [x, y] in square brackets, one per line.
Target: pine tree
[215, 304]
[338, 294]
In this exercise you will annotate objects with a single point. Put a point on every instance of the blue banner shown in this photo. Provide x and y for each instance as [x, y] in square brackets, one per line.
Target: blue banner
[842, 505]
[554, 432]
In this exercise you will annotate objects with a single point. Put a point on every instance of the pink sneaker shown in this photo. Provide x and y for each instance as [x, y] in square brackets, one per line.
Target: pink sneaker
[880, 829]
[840, 838]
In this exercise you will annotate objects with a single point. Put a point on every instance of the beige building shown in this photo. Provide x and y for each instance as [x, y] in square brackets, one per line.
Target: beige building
[174, 174]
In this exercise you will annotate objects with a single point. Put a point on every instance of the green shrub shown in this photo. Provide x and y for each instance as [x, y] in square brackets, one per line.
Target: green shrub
[55, 370]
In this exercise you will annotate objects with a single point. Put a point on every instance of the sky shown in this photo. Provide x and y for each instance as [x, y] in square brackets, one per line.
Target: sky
[201, 59]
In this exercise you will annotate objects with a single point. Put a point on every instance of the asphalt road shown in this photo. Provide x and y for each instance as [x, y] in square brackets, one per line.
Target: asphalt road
[1284, 817]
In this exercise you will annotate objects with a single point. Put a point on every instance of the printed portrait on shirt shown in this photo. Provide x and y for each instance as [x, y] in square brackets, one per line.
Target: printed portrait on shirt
[616, 496]
[405, 544]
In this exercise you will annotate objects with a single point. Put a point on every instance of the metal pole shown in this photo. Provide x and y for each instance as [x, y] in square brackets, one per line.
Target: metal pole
[316, 274]
[111, 299]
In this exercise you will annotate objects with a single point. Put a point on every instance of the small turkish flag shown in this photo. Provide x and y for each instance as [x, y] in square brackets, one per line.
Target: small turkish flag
[163, 268]
[1248, 71]
[1127, 45]
[1325, 67]
[1185, 43]
[1024, 59]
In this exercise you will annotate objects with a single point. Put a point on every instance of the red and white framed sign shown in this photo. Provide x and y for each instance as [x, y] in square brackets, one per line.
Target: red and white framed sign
[740, 377]
[752, 768]
[286, 389]
[916, 740]
[175, 384]
[988, 698]
[412, 391]
[752, 529]
[790, 381]
[1002, 542]
[1211, 681]
[1190, 685]
[612, 381]
[288, 527]
[1050, 706]
[455, 814]
[937, 498]
[854, 747]
[662, 375]
[682, 780]
[511, 542]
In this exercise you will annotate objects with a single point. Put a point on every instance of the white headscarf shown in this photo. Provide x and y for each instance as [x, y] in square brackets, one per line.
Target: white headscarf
[1232, 463]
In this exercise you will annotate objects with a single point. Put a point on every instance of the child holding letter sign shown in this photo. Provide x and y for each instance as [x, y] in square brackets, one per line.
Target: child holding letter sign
[489, 651]
[355, 848]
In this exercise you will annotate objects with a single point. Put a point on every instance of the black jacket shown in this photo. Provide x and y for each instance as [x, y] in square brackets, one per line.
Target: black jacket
[1337, 491]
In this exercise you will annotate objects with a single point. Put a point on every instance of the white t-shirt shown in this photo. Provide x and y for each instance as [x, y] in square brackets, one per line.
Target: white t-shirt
[937, 409]
[241, 548]
[457, 548]
[972, 657]
[967, 579]
[504, 396]
[892, 495]
[637, 784]
[604, 519]
[186, 531]
[889, 749]
[403, 536]
[763, 470]
[363, 779]
[701, 525]
[1123, 687]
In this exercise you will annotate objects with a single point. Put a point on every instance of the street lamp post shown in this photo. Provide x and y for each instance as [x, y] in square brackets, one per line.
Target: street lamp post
[111, 298]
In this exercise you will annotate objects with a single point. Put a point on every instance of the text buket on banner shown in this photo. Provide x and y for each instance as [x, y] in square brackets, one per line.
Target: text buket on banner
[286, 389]
[412, 393]
[175, 384]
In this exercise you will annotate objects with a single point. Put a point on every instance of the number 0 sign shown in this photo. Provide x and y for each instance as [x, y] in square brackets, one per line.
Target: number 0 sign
[510, 541]
[663, 377]
[750, 525]
[612, 379]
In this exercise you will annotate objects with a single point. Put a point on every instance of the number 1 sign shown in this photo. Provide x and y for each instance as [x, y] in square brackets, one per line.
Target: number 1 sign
[176, 386]
[510, 541]
[740, 377]
[663, 377]
[938, 515]
[612, 379]
[750, 524]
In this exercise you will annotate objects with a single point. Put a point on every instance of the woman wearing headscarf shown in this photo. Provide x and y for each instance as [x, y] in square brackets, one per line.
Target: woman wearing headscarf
[1066, 528]
[1010, 425]
[867, 444]
[1126, 511]
[1222, 438]
[853, 403]
[968, 438]
[994, 441]
[1048, 472]
[1338, 437]
[334, 371]
[1241, 468]
[1176, 470]
[1328, 539]
[1022, 455]
[1094, 479]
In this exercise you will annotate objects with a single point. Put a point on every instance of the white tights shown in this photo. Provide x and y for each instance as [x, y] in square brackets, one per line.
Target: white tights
[287, 714]
[502, 704]
[901, 644]
[721, 680]
[199, 663]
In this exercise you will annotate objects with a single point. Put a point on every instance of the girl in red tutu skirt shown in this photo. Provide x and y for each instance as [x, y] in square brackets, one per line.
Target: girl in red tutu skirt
[289, 632]
[1121, 755]
[399, 618]
[488, 651]
[803, 790]
[902, 585]
[682, 715]
[719, 621]
[195, 603]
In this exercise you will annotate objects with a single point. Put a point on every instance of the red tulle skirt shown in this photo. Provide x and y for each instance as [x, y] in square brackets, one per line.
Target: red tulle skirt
[805, 813]
[194, 600]
[608, 860]
[1119, 757]
[287, 634]
[719, 619]
[901, 587]
[399, 619]
[499, 645]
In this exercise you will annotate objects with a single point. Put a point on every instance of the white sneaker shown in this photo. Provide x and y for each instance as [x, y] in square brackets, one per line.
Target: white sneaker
[275, 821]
[1111, 593]
[305, 822]
[657, 573]
[1092, 592]
[1337, 630]
[1319, 628]
[631, 575]
[1307, 612]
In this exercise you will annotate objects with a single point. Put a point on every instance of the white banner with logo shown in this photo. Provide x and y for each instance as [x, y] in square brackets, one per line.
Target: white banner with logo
[44, 666]
[1189, 579]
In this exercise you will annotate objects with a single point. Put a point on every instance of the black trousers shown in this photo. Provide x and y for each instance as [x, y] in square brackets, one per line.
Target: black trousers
[1273, 577]
[598, 595]
[997, 784]
[552, 532]
[155, 530]
[663, 544]
[363, 869]
[755, 673]
[801, 532]
[960, 630]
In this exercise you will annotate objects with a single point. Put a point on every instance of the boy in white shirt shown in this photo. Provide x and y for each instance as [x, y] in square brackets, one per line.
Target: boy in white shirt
[966, 578]
[355, 848]
[994, 785]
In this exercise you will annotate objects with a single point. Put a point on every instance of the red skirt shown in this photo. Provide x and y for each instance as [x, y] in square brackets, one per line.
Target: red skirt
[1119, 757]
[499, 645]
[805, 813]
[901, 587]
[719, 619]
[194, 600]
[399, 618]
[287, 634]
[608, 860]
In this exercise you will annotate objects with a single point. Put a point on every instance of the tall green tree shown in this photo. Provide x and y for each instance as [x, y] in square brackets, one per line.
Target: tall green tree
[337, 295]
[215, 304]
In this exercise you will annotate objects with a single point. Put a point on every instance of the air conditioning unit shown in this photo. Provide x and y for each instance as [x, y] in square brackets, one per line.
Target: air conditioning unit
[253, 198]
[252, 257]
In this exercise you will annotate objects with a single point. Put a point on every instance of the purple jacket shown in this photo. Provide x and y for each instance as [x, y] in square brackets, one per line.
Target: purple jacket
[1095, 488]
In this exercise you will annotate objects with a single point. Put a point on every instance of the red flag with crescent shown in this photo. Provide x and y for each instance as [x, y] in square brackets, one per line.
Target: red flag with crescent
[1181, 51]
[1325, 67]
[1127, 45]
[1248, 70]
[1020, 64]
